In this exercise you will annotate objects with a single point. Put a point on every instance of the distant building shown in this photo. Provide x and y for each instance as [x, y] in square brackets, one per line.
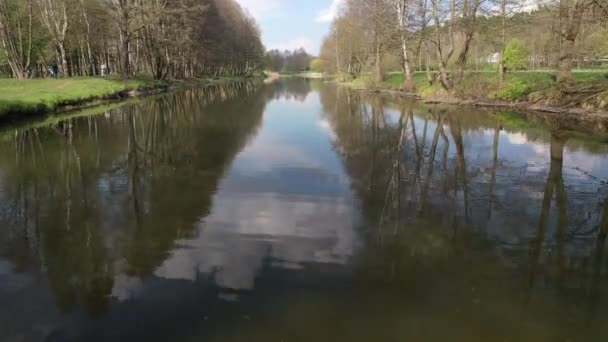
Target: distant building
[493, 58]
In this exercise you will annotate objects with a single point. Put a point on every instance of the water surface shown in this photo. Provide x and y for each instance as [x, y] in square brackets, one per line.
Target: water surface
[301, 211]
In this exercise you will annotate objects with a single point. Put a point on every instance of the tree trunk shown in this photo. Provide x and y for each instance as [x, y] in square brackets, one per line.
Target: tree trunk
[469, 18]
[570, 16]
[92, 68]
[442, 57]
[461, 63]
[565, 62]
[409, 84]
[124, 54]
[378, 73]
[402, 17]
[64, 60]
[17, 48]
[427, 67]
[503, 36]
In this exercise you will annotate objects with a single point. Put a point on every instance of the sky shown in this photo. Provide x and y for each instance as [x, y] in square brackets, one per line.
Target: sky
[291, 24]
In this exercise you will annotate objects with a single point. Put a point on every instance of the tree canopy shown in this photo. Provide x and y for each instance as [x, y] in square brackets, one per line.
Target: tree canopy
[445, 37]
[516, 55]
[288, 61]
[161, 38]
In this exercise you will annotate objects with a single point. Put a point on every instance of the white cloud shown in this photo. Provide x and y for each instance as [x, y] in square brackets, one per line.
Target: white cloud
[329, 14]
[259, 8]
[296, 43]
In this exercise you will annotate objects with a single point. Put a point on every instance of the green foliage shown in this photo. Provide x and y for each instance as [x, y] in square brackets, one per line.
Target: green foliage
[514, 90]
[430, 91]
[516, 55]
[484, 85]
[316, 65]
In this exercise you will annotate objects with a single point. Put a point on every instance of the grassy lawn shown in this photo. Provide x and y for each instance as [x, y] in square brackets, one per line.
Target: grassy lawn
[46, 95]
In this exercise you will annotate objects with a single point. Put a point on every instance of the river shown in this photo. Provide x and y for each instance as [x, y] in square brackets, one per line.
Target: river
[301, 211]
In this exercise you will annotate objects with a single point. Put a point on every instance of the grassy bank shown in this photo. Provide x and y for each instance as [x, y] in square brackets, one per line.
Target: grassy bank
[29, 97]
[25, 97]
[485, 86]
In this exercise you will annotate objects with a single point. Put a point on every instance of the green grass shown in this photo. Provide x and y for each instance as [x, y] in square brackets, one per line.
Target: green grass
[485, 85]
[23, 97]
[47, 95]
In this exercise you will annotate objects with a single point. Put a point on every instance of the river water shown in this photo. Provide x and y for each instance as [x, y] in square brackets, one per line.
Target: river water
[301, 211]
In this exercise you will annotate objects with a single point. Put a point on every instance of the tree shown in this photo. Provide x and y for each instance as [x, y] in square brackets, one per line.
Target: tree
[289, 61]
[444, 55]
[316, 65]
[404, 11]
[16, 26]
[468, 19]
[515, 55]
[54, 15]
[508, 9]
[160, 38]
[570, 16]
[123, 13]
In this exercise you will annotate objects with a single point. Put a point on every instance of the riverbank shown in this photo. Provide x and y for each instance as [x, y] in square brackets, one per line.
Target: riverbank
[587, 105]
[20, 99]
[308, 75]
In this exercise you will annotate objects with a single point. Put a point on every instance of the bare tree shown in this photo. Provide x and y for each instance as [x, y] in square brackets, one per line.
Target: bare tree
[570, 17]
[444, 55]
[54, 15]
[16, 34]
[468, 19]
[123, 13]
[404, 12]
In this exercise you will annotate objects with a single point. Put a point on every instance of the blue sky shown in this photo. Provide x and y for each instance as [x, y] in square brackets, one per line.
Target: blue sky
[290, 24]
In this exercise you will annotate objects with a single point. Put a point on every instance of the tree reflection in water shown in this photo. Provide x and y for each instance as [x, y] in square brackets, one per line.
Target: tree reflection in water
[103, 195]
[486, 225]
[471, 226]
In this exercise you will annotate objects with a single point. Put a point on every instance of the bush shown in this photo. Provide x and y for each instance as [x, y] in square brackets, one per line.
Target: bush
[316, 65]
[476, 86]
[514, 90]
[431, 91]
[516, 55]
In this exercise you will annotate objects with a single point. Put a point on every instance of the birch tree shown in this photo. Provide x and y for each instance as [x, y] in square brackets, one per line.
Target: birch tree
[404, 10]
[16, 25]
[54, 16]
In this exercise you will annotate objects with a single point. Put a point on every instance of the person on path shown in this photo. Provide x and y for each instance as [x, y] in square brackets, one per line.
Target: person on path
[53, 70]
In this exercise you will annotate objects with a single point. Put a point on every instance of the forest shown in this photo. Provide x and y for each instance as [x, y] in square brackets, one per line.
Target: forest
[439, 42]
[288, 61]
[164, 39]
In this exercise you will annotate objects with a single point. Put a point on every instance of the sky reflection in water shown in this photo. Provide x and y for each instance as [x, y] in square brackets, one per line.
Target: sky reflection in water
[301, 211]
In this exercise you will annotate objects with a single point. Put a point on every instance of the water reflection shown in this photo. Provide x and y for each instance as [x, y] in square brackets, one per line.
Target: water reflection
[301, 211]
[90, 200]
[479, 202]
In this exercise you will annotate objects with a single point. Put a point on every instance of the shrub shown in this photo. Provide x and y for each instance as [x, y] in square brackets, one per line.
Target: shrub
[316, 65]
[516, 55]
[476, 86]
[514, 90]
[435, 90]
